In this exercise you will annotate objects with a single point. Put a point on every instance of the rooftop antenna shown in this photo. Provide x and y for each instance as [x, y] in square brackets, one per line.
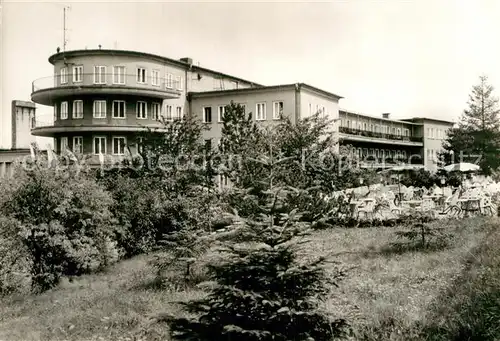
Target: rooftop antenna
[64, 27]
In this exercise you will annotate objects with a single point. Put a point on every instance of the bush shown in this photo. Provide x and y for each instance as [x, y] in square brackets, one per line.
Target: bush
[66, 231]
[14, 258]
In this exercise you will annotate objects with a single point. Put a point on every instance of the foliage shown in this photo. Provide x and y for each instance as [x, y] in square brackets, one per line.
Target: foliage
[176, 153]
[478, 135]
[240, 143]
[65, 230]
[183, 249]
[263, 291]
[422, 235]
[14, 258]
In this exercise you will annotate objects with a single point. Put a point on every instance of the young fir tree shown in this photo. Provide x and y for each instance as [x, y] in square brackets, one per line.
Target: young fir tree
[240, 141]
[478, 134]
[262, 290]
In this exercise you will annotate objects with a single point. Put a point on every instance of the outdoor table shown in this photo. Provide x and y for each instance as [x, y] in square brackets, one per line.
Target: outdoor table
[412, 203]
[437, 198]
[470, 205]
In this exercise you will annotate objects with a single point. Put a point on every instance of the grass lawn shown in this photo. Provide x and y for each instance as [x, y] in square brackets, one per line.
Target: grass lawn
[384, 294]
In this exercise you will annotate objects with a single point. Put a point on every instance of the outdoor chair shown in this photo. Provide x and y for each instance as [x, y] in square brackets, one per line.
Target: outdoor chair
[367, 209]
[486, 206]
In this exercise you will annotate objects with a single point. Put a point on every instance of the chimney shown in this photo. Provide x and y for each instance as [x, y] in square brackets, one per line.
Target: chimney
[386, 115]
[187, 60]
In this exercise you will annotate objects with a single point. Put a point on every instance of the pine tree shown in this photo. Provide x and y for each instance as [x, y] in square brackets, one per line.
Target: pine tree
[263, 291]
[478, 134]
[483, 112]
[240, 140]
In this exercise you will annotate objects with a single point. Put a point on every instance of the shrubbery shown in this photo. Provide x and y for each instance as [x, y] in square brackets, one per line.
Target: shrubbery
[64, 224]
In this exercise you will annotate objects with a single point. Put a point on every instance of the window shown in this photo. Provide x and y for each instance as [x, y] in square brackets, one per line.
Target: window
[64, 110]
[64, 75]
[155, 77]
[78, 109]
[348, 124]
[244, 106]
[119, 74]
[99, 75]
[404, 154]
[168, 113]
[406, 132]
[178, 113]
[432, 133]
[323, 111]
[78, 144]
[364, 125]
[399, 132]
[99, 145]
[277, 110]
[77, 73]
[207, 114]
[55, 111]
[260, 111]
[99, 109]
[155, 111]
[119, 144]
[222, 110]
[141, 75]
[141, 110]
[178, 82]
[310, 109]
[118, 109]
[377, 128]
[64, 144]
[169, 80]
[317, 109]
[393, 131]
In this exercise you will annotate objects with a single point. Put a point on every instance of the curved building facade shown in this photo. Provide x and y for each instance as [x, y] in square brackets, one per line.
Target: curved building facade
[102, 98]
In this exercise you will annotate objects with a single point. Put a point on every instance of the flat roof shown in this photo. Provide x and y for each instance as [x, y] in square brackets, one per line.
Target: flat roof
[379, 118]
[296, 86]
[72, 53]
[23, 103]
[428, 119]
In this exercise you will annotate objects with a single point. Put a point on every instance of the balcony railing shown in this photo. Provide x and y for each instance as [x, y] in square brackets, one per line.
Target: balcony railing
[107, 80]
[366, 133]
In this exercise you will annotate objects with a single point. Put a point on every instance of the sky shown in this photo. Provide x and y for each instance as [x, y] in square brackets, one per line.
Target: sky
[409, 58]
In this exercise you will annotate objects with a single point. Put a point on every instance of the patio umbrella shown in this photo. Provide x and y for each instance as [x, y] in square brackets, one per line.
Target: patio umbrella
[463, 167]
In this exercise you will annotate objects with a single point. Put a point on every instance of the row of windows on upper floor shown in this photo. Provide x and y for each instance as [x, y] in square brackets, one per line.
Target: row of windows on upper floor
[119, 76]
[118, 110]
[378, 153]
[99, 144]
[260, 111]
[375, 128]
[436, 133]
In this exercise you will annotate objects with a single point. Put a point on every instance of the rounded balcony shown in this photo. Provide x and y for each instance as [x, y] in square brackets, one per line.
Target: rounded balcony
[44, 125]
[48, 90]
